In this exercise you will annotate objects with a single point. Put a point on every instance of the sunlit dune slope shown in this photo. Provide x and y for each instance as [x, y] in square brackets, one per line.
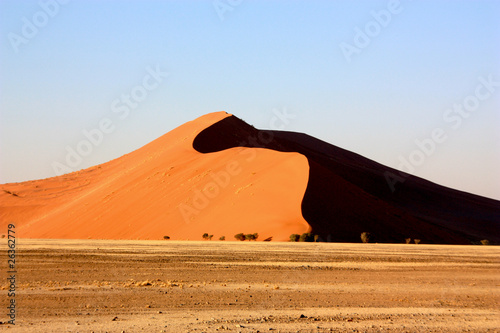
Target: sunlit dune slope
[166, 188]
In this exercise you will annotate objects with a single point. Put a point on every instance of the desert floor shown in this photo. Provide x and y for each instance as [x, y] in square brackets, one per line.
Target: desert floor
[209, 286]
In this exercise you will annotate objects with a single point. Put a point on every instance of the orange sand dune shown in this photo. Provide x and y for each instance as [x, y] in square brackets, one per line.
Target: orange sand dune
[167, 188]
[348, 194]
[221, 176]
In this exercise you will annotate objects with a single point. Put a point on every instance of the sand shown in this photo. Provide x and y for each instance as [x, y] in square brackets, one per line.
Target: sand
[212, 286]
[348, 194]
[220, 176]
[166, 188]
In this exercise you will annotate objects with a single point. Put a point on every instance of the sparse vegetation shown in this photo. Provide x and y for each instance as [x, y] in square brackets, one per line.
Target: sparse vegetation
[251, 237]
[485, 242]
[166, 237]
[306, 237]
[207, 236]
[366, 237]
[408, 240]
[222, 238]
[416, 241]
[240, 236]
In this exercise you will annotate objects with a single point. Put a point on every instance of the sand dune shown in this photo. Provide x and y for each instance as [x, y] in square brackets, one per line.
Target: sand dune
[348, 194]
[166, 188]
[219, 175]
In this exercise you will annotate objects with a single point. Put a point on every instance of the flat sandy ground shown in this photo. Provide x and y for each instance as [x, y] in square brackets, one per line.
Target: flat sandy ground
[213, 286]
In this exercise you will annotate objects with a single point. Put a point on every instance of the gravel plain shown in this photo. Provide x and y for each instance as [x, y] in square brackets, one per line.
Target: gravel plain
[222, 286]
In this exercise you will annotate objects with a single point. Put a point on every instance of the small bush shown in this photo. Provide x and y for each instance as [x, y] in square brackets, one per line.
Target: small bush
[251, 237]
[366, 237]
[408, 240]
[416, 241]
[222, 238]
[205, 236]
[166, 237]
[240, 236]
[306, 237]
[485, 242]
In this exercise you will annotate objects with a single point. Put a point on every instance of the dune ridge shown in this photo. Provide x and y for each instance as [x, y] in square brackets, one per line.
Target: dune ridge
[348, 194]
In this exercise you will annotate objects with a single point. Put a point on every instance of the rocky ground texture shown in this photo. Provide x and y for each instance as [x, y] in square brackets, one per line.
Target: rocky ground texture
[215, 286]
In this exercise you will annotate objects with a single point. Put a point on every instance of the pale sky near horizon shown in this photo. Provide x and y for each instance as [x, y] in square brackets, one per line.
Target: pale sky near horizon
[368, 76]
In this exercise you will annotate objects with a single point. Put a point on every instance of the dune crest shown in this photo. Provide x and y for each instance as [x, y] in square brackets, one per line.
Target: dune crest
[348, 194]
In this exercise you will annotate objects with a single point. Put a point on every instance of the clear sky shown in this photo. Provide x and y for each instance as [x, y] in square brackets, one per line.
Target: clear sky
[369, 76]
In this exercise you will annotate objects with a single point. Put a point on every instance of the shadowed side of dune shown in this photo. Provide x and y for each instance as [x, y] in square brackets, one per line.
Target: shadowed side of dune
[348, 194]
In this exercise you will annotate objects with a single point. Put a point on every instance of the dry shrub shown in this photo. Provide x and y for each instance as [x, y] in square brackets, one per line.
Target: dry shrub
[306, 237]
[251, 237]
[240, 236]
[366, 237]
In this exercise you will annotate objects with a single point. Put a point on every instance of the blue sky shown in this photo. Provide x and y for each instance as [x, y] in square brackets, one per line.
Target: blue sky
[253, 59]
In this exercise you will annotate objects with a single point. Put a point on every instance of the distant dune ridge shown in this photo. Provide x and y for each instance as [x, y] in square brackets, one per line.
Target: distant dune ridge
[221, 176]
